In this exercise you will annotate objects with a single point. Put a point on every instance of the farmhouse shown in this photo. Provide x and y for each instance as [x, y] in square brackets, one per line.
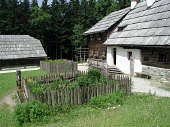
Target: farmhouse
[141, 41]
[20, 50]
[99, 33]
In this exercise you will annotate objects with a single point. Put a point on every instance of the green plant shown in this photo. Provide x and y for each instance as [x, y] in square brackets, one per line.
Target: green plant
[37, 87]
[94, 74]
[103, 102]
[31, 111]
[82, 81]
[62, 109]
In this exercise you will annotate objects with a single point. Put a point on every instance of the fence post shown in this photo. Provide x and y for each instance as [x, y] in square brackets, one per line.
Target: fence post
[18, 81]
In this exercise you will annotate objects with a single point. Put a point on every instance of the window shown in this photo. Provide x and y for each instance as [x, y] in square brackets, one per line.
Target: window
[121, 28]
[162, 58]
[129, 55]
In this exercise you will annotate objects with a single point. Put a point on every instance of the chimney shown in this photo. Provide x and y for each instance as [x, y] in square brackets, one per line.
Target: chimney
[150, 3]
[133, 4]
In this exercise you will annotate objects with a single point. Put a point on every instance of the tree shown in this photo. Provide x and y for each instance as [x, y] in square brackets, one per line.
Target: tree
[34, 3]
[77, 38]
[44, 6]
[40, 22]
[3, 16]
[24, 17]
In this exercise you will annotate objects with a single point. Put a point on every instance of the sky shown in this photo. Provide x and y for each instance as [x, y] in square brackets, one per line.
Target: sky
[40, 2]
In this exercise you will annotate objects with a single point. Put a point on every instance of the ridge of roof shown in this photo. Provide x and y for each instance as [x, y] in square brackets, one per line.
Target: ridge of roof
[107, 21]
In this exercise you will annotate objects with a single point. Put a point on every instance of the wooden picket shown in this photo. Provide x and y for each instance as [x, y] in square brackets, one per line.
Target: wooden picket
[58, 68]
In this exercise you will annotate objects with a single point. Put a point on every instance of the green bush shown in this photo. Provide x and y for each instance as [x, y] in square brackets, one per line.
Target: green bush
[59, 84]
[82, 81]
[31, 111]
[94, 75]
[37, 87]
[103, 102]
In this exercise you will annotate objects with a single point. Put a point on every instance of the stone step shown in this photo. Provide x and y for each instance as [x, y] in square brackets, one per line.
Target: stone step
[114, 70]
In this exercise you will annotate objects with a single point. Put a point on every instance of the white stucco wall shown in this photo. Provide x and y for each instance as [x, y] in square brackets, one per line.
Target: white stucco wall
[122, 61]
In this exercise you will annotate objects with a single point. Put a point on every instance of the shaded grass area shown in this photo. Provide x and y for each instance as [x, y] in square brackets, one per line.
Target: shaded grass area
[8, 81]
[137, 111]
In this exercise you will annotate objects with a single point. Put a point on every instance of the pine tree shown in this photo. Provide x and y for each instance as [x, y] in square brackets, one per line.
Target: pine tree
[3, 16]
[34, 3]
[44, 6]
[25, 12]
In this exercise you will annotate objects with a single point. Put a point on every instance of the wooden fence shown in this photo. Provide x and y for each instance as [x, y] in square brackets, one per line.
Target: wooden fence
[54, 76]
[58, 68]
[77, 96]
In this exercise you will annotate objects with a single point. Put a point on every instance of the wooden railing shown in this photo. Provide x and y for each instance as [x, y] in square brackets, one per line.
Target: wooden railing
[101, 64]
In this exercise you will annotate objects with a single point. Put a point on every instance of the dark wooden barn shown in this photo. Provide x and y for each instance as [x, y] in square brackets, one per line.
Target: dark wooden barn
[20, 50]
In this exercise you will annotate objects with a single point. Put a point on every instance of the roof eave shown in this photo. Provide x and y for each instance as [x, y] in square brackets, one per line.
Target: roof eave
[86, 34]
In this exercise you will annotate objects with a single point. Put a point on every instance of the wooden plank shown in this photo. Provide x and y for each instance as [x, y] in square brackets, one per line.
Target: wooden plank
[75, 97]
[49, 97]
[88, 93]
[63, 96]
[72, 96]
[79, 96]
[53, 98]
[66, 96]
[58, 97]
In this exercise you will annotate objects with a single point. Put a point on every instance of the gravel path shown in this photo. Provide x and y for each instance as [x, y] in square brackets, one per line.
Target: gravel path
[83, 67]
[10, 71]
[141, 85]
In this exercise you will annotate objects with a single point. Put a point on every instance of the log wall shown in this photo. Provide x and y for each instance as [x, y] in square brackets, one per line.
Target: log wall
[96, 46]
[151, 57]
[20, 62]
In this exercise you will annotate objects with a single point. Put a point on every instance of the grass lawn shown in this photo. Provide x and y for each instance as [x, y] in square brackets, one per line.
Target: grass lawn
[8, 81]
[137, 111]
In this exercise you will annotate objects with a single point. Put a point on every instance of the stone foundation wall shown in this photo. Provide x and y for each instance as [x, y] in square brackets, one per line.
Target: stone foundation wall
[158, 73]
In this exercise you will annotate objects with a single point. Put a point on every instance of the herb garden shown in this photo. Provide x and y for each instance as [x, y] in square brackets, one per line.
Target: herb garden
[73, 88]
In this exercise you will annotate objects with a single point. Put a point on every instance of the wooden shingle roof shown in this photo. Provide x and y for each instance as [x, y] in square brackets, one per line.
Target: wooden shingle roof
[107, 21]
[20, 46]
[144, 26]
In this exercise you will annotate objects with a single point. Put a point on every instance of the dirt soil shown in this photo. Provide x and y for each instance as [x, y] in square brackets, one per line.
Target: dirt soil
[9, 100]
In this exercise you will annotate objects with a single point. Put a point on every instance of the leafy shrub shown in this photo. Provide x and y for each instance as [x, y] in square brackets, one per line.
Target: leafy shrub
[94, 75]
[37, 87]
[31, 111]
[82, 81]
[106, 101]
[59, 84]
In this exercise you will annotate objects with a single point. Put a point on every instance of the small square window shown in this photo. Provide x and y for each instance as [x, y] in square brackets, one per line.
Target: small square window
[129, 55]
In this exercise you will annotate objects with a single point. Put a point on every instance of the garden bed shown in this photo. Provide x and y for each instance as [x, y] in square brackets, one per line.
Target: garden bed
[74, 88]
[58, 66]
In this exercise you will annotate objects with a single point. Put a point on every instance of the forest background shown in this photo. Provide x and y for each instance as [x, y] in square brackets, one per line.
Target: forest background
[61, 23]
